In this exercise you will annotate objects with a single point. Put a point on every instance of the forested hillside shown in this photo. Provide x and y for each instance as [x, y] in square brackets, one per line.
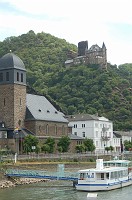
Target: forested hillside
[78, 89]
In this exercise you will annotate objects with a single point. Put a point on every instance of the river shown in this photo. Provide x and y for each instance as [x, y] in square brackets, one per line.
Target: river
[59, 190]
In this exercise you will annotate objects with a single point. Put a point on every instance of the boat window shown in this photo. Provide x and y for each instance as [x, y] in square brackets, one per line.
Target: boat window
[125, 172]
[102, 176]
[121, 174]
[107, 175]
[112, 175]
[116, 175]
[82, 176]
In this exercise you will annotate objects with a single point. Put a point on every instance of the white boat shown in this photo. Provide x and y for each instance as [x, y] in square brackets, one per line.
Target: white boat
[107, 175]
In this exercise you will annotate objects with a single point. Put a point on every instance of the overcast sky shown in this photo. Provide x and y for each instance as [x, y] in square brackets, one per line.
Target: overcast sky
[98, 21]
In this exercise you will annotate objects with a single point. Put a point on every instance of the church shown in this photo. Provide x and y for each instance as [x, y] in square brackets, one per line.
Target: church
[21, 113]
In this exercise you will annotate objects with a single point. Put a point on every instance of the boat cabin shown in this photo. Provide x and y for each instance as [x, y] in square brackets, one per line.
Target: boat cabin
[117, 163]
[106, 174]
[105, 171]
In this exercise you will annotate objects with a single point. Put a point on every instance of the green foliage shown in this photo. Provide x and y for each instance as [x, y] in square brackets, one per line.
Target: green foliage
[107, 149]
[45, 148]
[29, 142]
[78, 89]
[79, 148]
[111, 148]
[63, 144]
[128, 145]
[49, 145]
[89, 145]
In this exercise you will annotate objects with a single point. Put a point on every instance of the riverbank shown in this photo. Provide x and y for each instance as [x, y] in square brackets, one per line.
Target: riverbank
[47, 166]
[19, 181]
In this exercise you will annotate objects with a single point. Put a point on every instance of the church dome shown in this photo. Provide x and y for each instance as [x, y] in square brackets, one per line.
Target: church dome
[10, 60]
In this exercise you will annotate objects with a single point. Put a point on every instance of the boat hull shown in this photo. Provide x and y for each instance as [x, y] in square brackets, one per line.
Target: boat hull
[102, 187]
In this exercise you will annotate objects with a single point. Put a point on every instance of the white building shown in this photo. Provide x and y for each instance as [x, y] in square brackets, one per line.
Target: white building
[100, 129]
[123, 136]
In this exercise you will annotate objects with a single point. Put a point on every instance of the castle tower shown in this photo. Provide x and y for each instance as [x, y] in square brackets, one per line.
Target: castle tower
[12, 91]
[82, 47]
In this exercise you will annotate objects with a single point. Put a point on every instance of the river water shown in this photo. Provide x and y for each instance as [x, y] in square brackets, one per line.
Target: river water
[59, 190]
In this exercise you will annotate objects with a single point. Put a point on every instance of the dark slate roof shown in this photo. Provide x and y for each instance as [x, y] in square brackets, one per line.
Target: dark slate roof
[94, 47]
[10, 60]
[123, 133]
[39, 108]
[85, 117]
[81, 117]
[116, 135]
[75, 137]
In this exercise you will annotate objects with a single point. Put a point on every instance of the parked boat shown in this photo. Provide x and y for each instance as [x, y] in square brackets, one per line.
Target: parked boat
[107, 175]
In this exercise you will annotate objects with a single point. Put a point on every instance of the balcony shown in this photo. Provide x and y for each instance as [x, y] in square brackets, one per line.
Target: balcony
[105, 138]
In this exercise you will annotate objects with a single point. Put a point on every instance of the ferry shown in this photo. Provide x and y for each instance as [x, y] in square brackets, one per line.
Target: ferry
[107, 175]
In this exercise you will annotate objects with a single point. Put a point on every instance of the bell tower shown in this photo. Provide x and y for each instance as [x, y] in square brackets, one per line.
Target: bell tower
[12, 91]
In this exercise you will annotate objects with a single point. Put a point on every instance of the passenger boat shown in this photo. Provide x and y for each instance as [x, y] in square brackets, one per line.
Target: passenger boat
[107, 175]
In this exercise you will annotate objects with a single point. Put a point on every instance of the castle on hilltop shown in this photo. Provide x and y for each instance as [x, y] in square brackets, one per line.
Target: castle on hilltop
[93, 55]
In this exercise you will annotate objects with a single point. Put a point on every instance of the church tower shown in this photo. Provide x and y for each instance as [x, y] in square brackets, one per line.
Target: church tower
[12, 91]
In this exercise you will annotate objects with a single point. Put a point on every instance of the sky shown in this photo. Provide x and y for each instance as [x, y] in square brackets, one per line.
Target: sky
[97, 21]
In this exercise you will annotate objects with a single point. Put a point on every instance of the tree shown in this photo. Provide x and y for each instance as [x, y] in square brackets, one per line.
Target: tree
[49, 145]
[107, 149]
[111, 148]
[128, 145]
[89, 145]
[63, 144]
[79, 148]
[29, 142]
[45, 148]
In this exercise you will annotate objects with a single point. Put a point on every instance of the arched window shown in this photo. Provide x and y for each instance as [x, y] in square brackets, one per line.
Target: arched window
[1, 77]
[4, 102]
[63, 129]
[7, 76]
[17, 76]
[39, 128]
[21, 77]
[47, 129]
[55, 129]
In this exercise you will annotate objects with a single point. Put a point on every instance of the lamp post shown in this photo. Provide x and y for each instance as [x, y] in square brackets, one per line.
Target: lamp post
[104, 149]
[16, 133]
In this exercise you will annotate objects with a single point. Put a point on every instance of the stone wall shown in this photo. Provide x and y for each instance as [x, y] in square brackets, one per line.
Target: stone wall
[47, 128]
[7, 142]
[12, 105]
